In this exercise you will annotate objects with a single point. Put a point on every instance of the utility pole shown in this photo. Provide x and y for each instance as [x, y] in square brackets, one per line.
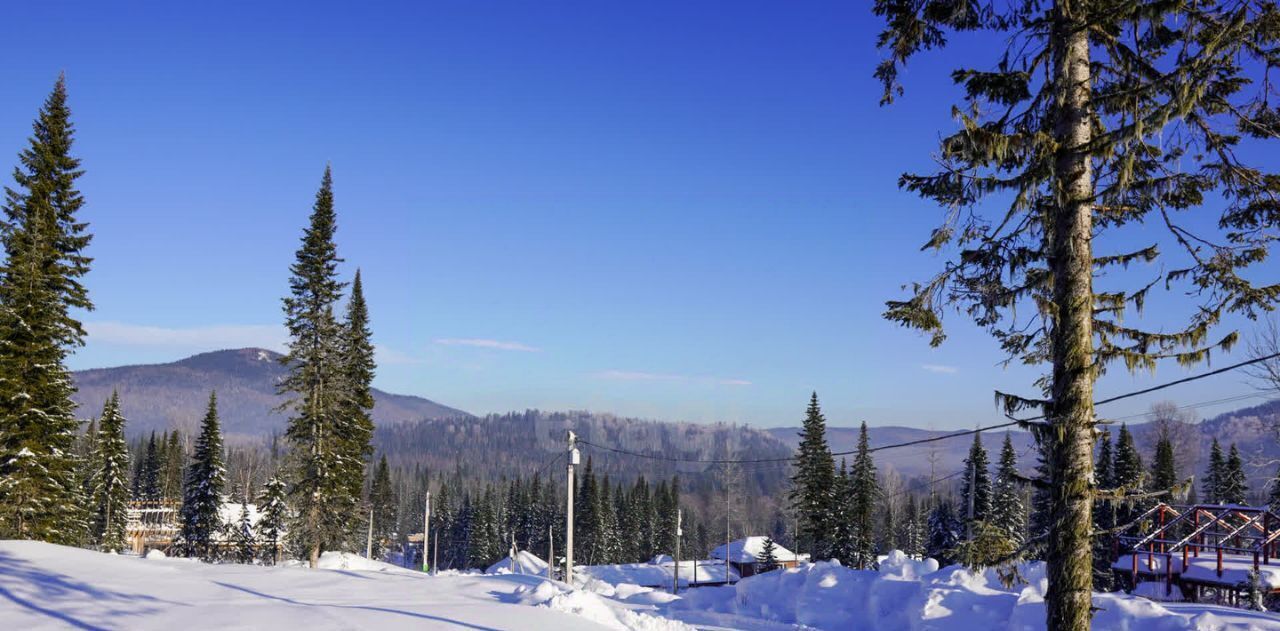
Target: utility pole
[551, 553]
[426, 531]
[574, 457]
[435, 559]
[675, 576]
[368, 544]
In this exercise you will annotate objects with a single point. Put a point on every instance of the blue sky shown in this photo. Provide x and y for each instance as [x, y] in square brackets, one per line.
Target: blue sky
[670, 210]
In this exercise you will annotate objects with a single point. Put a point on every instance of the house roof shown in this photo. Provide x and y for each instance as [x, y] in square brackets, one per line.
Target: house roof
[748, 550]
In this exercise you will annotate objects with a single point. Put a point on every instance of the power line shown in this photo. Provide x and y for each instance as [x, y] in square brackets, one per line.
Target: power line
[1121, 397]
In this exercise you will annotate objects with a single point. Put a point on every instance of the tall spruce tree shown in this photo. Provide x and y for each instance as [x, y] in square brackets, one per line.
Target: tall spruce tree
[382, 499]
[41, 495]
[318, 388]
[1128, 474]
[1096, 119]
[147, 484]
[864, 494]
[975, 491]
[110, 483]
[812, 486]
[946, 531]
[1007, 511]
[1214, 475]
[1164, 467]
[355, 426]
[914, 531]
[273, 514]
[1235, 484]
[175, 466]
[202, 490]
[1104, 517]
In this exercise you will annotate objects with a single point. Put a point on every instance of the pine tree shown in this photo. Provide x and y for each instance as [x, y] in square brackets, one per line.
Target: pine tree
[1007, 512]
[946, 531]
[1129, 475]
[914, 531]
[976, 483]
[383, 501]
[355, 422]
[1164, 471]
[175, 466]
[318, 384]
[1213, 477]
[202, 490]
[273, 514]
[812, 486]
[1235, 485]
[41, 495]
[864, 494]
[110, 483]
[1079, 129]
[242, 536]
[147, 485]
[767, 560]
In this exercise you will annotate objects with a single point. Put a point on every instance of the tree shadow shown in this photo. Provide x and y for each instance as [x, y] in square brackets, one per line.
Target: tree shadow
[49, 593]
[412, 614]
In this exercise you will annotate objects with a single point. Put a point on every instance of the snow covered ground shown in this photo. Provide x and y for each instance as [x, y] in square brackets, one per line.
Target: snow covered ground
[46, 586]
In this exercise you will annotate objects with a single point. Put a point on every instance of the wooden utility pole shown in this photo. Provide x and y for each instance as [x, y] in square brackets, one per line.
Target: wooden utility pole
[568, 510]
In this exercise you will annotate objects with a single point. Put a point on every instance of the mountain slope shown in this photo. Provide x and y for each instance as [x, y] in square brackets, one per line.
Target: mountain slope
[160, 396]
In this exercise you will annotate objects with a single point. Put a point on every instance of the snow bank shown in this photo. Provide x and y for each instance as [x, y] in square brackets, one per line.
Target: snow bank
[525, 563]
[909, 595]
[593, 607]
[349, 561]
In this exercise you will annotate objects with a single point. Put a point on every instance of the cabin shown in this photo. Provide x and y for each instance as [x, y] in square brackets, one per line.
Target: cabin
[744, 554]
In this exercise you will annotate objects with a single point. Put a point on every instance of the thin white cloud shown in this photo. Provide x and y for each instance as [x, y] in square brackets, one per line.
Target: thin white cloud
[497, 345]
[216, 336]
[940, 369]
[632, 375]
[391, 357]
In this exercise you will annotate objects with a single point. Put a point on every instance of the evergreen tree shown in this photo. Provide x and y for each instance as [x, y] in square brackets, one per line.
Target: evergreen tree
[318, 384]
[147, 485]
[41, 495]
[241, 536]
[864, 494]
[355, 422]
[1235, 485]
[976, 483]
[1104, 518]
[914, 531]
[383, 502]
[844, 546]
[1007, 511]
[1213, 477]
[1129, 474]
[1273, 500]
[946, 531]
[273, 514]
[812, 486]
[767, 560]
[110, 484]
[202, 490]
[1164, 471]
[1087, 122]
[175, 466]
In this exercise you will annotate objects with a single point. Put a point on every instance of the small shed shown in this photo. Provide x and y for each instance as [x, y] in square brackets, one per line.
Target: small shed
[744, 554]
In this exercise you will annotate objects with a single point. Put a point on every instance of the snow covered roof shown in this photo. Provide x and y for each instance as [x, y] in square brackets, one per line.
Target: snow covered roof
[748, 550]
[525, 563]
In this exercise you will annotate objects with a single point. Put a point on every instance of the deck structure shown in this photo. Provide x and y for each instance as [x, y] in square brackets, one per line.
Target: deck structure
[1218, 552]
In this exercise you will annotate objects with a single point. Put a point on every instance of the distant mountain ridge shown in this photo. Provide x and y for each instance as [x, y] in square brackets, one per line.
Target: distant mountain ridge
[162, 396]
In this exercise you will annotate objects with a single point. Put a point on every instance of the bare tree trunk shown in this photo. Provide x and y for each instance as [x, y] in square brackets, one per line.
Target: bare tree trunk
[1070, 441]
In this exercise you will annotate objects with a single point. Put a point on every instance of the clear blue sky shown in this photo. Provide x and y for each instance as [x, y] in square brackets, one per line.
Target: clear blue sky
[665, 209]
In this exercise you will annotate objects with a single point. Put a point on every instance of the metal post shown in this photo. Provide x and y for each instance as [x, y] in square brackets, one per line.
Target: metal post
[675, 576]
[368, 544]
[551, 553]
[426, 533]
[568, 512]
